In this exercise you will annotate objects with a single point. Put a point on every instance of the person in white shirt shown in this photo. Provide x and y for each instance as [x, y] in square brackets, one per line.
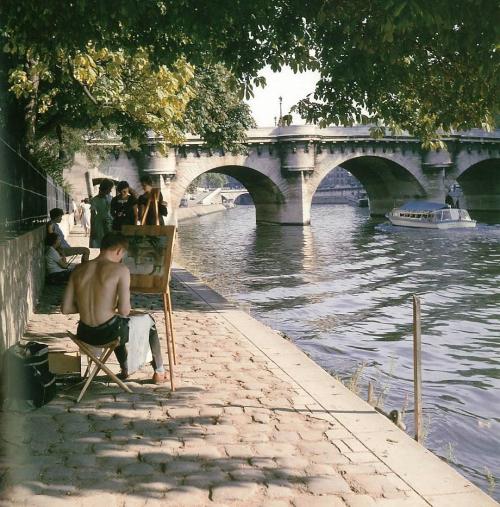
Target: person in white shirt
[64, 247]
[58, 270]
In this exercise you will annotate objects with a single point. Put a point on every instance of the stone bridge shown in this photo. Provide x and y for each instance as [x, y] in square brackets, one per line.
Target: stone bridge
[283, 167]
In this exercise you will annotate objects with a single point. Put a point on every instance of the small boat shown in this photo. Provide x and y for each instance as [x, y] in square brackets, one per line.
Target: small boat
[430, 215]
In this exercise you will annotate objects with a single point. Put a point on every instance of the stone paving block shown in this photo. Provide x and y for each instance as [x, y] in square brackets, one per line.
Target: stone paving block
[361, 457]
[366, 468]
[378, 485]
[236, 490]
[58, 473]
[416, 501]
[318, 501]
[186, 496]
[286, 436]
[314, 448]
[281, 489]
[181, 467]
[137, 469]
[248, 474]
[327, 485]
[99, 499]
[275, 503]
[206, 478]
[359, 500]
[81, 460]
[238, 451]
[335, 458]
[277, 450]
[51, 501]
[311, 435]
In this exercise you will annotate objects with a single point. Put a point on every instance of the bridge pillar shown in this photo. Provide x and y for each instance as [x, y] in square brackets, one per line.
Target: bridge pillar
[297, 154]
[160, 164]
[296, 210]
[435, 165]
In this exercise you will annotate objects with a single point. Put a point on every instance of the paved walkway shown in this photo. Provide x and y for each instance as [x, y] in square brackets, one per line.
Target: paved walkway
[253, 422]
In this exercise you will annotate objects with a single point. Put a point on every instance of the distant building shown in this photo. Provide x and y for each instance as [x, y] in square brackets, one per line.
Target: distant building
[339, 177]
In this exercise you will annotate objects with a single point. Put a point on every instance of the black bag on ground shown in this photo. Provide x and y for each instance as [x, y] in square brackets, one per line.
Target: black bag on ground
[27, 382]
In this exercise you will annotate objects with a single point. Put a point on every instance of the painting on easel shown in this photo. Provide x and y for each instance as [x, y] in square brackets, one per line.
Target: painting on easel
[149, 256]
[149, 260]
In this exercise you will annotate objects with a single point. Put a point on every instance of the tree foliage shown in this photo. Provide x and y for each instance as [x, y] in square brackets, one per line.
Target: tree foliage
[216, 112]
[172, 65]
[413, 64]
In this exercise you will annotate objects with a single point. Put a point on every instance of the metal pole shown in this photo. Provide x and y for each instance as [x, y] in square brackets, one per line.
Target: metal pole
[417, 369]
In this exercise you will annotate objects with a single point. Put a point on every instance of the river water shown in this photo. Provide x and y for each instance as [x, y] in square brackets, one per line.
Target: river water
[342, 290]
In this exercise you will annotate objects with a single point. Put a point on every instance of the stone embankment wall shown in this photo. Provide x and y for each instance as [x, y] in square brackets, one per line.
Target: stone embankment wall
[22, 276]
[184, 214]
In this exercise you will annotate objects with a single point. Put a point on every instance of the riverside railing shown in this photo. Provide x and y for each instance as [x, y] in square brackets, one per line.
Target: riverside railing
[26, 194]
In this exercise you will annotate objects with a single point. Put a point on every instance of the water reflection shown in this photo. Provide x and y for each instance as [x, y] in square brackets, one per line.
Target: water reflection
[342, 289]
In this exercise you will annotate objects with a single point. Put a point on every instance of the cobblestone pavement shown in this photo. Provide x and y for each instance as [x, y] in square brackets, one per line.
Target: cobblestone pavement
[236, 432]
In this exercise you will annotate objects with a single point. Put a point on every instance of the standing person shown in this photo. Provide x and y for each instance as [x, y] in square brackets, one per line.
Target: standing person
[85, 215]
[149, 192]
[100, 218]
[76, 213]
[65, 248]
[124, 207]
[100, 292]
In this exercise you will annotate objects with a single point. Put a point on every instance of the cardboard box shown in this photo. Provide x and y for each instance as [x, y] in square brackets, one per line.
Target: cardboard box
[64, 363]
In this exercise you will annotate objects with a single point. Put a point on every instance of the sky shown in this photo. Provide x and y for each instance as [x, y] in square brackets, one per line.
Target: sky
[292, 87]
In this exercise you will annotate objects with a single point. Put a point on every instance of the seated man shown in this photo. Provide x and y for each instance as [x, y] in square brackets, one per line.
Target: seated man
[56, 215]
[58, 270]
[97, 290]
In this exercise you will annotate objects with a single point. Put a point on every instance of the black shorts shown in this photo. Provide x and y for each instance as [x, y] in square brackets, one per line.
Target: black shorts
[116, 327]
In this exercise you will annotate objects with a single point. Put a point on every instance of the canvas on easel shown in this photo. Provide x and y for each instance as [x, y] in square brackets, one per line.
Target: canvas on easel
[149, 259]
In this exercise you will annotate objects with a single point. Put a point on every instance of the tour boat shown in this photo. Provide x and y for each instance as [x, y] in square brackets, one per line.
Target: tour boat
[430, 215]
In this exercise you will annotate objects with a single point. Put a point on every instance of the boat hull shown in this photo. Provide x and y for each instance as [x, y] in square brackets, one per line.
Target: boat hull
[451, 224]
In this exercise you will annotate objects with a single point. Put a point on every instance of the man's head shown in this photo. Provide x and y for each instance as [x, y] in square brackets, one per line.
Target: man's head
[123, 188]
[52, 239]
[146, 182]
[114, 246]
[56, 214]
[105, 187]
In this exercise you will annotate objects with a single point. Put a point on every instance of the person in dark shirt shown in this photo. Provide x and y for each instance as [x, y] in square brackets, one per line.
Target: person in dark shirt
[151, 219]
[124, 207]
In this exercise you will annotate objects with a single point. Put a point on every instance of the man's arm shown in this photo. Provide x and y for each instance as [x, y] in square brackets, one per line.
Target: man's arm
[68, 304]
[123, 305]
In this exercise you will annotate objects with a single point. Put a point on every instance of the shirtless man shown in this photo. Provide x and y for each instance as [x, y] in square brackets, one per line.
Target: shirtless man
[100, 291]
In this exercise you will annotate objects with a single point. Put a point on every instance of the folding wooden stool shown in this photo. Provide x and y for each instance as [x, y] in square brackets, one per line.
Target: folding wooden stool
[99, 362]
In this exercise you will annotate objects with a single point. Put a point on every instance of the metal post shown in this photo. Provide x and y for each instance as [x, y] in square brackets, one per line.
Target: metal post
[417, 369]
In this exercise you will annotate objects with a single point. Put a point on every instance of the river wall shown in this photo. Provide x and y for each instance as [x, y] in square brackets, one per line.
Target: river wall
[184, 214]
[22, 277]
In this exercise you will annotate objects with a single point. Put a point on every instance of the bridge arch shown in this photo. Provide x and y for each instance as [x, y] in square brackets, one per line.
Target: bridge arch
[480, 184]
[269, 196]
[387, 180]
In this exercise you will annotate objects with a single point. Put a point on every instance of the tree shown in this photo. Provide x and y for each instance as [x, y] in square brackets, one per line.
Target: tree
[409, 64]
[412, 64]
[216, 111]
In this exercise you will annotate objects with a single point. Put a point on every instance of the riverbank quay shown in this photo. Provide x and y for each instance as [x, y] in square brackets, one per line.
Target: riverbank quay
[192, 212]
[253, 422]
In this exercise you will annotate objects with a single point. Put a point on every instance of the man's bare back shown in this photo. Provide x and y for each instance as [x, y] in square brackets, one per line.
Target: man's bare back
[99, 291]
[96, 290]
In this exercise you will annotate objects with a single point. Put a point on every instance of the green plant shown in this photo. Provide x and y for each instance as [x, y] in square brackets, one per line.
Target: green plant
[490, 478]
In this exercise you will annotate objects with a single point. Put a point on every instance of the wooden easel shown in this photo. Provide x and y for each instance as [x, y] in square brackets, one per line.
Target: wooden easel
[154, 284]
